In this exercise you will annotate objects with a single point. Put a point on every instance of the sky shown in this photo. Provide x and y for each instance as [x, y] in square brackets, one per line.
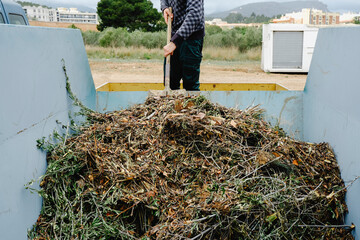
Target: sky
[218, 5]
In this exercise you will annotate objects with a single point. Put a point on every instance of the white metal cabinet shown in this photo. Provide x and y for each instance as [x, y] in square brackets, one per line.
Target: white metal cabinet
[287, 47]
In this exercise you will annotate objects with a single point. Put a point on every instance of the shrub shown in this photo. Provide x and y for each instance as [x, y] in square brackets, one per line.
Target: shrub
[212, 29]
[91, 38]
[73, 26]
[241, 30]
[120, 37]
[357, 20]
[243, 38]
[153, 40]
[112, 37]
[252, 38]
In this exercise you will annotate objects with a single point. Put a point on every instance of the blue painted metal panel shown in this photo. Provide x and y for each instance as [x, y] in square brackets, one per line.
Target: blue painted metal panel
[32, 97]
[112, 101]
[281, 107]
[331, 105]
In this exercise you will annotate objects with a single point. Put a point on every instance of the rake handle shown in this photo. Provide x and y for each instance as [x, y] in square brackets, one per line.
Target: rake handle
[167, 64]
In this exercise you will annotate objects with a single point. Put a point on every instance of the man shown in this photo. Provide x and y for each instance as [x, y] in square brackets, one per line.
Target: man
[186, 43]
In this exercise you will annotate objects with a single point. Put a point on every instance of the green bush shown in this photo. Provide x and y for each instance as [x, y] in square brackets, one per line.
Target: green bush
[73, 26]
[91, 38]
[153, 40]
[243, 38]
[212, 29]
[120, 37]
[252, 38]
[357, 20]
[112, 37]
[241, 30]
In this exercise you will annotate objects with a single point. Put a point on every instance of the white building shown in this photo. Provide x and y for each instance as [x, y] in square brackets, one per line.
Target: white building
[216, 21]
[72, 15]
[349, 17]
[41, 13]
[310, 17]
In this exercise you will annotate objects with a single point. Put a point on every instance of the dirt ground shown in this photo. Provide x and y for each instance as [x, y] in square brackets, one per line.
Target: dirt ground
[83, 26]
[211, 72]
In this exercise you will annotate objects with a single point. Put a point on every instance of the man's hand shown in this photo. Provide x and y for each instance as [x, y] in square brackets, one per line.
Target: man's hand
[167, 14]
[169, 49]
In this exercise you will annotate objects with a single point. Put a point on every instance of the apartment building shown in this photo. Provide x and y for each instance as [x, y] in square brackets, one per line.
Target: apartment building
[318, 17]
[68, 15]
[72, 15]
[41, 13]
[310, 17]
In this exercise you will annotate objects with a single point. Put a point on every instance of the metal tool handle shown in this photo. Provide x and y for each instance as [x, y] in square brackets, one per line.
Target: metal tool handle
[167, 64]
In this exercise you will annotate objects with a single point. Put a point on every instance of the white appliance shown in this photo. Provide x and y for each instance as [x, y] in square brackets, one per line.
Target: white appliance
[287, 47]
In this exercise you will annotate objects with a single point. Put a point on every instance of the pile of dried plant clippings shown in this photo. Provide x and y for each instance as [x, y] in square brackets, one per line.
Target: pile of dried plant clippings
[184, 168]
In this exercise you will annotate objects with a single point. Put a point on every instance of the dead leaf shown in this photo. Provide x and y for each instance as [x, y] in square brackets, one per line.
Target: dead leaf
[218, 120]
[200, 115]
[233, 124]
[178, 105]
[263, 157]
[91, 178]
[190, 104]
[276, 154]
[150, 194]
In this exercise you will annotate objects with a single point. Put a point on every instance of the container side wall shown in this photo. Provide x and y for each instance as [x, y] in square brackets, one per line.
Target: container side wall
[331, 105]
[33, 97]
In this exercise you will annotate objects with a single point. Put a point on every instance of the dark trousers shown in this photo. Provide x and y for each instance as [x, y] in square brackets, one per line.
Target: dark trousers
[185, 65]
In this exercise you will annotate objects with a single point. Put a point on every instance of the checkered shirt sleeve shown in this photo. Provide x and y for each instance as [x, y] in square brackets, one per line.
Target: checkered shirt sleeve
[188, 16]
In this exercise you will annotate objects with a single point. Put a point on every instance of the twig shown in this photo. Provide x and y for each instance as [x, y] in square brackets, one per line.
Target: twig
[202, 219]
[331, 195]
[66, 135]
[257, 169]
[205, 232]
[207, 157]
[328, 226]
[72, 96]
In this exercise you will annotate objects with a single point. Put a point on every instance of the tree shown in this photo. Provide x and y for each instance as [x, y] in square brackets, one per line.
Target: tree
[238, 18]
[357, 20]
[212, 29]
[24, 4]
[234, 18]
[129, 14]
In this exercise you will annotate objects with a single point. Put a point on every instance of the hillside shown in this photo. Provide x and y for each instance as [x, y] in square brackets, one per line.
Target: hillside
[271, 9]
[31, 4]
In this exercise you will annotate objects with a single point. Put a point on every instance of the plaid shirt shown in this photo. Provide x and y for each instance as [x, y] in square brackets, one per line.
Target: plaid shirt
[188, 18]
